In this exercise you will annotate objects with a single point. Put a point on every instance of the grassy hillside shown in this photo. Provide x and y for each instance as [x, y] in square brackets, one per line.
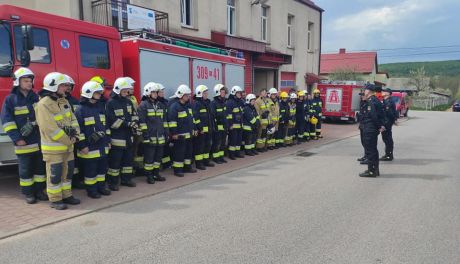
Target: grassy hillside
[441, 68]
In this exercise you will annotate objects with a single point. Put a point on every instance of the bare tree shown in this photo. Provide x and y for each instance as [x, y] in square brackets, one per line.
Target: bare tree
[420, 81]
[345, 74]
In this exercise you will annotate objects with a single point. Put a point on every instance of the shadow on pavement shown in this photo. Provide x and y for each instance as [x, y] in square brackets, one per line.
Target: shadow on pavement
[415, 176]
[414, 161]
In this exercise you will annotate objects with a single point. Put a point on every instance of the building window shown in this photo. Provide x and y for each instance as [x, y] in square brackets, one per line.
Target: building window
[290, 31]
[94, 53]
[119, 14]
[231, 17]
[41, 52]
[310, 37]
[264, 23]
[186, 12]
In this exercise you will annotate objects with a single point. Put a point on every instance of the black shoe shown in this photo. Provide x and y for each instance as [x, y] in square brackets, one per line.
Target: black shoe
[159, 178]
[320, 136]
[200, 166]
[105, 192]
[150, 180]
[179, 174]
[218, 161]
[78, 185]
[58, 205]
[249, 153]
[368, 174]
[239, 155]
[364, 162]
[71, 200]
[362, 158]
[231, 156]
[209, 164]
[255, 152]
[42, 196]
[307, 139]
[223, 160]
[260, 150]
[114, 188]
[191, 170]
[129, 183]
[30, 199]
[386, 158]
[94, 195]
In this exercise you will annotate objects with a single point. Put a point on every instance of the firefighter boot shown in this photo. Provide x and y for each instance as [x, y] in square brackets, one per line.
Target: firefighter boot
[94, 195]
[150, 179]
[208, 163]
[41, 196]
[189, 169]
[364, 162]
[58, 205]
[362, 158]
[231, 155]
[156, 175]
[128, 183]
[71, 200]
[387, 157]
[239, 154]
[30, 199]
[178, 172]
[218, 161]
[199, 165]
[104, 191]
[114, 187]
[370, 172]
[223, 160]
[249, 153]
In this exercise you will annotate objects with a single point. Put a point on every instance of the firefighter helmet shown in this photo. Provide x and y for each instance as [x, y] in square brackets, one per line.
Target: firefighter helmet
[70, 81]
[89, 88]
[217, 88]
[272, 91]
[182, 90]
[158, 87]
[236, 89]
[316, 91]
[130, 80]
[22, 73]
[293, 96]
[313, 120]
[284, 95]
[52, 81]
[121, 84]
[199, 91]
[301, 93]
[98, 79]
[250, 97]
[148, 88]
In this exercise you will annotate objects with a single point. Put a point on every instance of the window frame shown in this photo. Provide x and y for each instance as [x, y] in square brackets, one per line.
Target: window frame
[264, 24]
[290, 31]
[183, 13]
[231, 24]
[17, 54]
[109, 65]
[7, 27]
[310, 36]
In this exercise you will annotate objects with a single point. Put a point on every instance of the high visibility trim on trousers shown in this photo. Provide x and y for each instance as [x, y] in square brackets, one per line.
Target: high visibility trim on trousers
[156, 165]
[76, 170]
[221, 153]
[113, 172]
[177, 164]
[220, 127]
[216, 155]
[199, 157]
[247, 128]
[126, 170]
[91, 155]
[90, 181]
[118, 142]
[231, 148]
[187, 162]
[66, 186]
[100, 177]
[250, 146]
[54, 189]
[39, 178]
[206, 156]
[138, 159]
[148, 167]
[9, 126]
[26, 149]
[26, 182]
[166, 159]
[261, 140]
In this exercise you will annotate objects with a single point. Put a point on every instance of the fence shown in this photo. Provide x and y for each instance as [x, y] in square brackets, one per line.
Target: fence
[430, 102]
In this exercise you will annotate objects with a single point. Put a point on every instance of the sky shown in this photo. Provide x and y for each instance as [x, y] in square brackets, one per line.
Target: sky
[400, 30]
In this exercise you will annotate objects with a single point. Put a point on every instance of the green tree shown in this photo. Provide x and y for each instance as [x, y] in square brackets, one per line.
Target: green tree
[345, 74]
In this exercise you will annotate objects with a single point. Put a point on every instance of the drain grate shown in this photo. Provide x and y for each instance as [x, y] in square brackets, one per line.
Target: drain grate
[305, 154]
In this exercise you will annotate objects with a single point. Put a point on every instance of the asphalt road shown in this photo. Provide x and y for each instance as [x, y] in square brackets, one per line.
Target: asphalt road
[293, 209]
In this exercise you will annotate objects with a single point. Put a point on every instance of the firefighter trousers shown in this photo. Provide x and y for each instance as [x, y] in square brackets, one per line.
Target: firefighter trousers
[371, 152]
[249, 138]
[120, 165]
[235, 138]
[166, 159]
[361, 133]
[218, 144]
[152, 159]
[95, 171]
[300, 129]
[59, 172]
[290, 136]
[78, 174]
[387, 137]
[261, 137]
[202, 147]
[280, 134]
[31, 173]
[182, 154]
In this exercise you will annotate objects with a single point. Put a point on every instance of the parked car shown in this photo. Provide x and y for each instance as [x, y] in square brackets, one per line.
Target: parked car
[401, 101]
[456, 106]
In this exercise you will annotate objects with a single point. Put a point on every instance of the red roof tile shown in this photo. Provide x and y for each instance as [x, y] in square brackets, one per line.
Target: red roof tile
[362, 62]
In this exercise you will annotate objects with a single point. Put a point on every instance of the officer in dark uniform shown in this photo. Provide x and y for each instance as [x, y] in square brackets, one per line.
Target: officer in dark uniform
[391, 115]
[372, 123]
[362, 108]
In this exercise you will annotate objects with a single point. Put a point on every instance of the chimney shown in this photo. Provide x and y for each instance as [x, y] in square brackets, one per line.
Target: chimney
[342, 51]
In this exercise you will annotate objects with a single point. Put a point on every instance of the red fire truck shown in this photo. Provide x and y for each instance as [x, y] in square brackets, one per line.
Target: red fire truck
[341, 99]
[46, 43]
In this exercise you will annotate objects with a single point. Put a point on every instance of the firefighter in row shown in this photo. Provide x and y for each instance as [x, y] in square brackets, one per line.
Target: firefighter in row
[59, 131]
[262, 108]
[234, 112]
[219, 137]
[251, 123]
[166, 159]
[316, 111]
[182, 128]
[154, 126]
[94, 143]
[301, 118]
[19, 122]
[291, 123]
[204, 122]
[274, 112]
[391, 116]
[123, 124]
[284, 109]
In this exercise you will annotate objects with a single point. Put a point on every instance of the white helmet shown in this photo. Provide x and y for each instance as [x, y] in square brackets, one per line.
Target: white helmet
[130, 80]
[272, 91]
[121, 84]
[89, 88]
[250, 97]
[217, 88]
[181, 91]
[200, 89]
[158, 87]
[148, 88]
[236, 89]
[53, 80]
[293, 96]
[22, 73]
